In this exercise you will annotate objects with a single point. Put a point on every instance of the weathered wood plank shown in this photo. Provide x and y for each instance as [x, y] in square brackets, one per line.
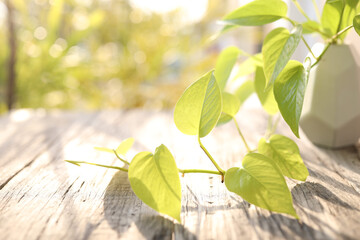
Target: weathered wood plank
[49, 198]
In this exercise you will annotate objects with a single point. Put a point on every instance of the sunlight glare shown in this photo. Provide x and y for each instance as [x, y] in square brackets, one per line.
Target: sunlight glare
[192, 11]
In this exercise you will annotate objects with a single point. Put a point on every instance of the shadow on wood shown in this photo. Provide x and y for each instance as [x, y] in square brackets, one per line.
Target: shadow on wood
[125, 214]
[289, 227]
[312, 189]
[333, 182]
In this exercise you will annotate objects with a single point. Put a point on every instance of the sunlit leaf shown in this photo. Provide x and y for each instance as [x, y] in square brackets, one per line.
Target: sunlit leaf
[231, 105]
[244, 91]
[265, 95]
[124, 146]
[224, 65]
[289, 90]
[224, 29]
[155, 180]
[285, 153]
[311, 27]
[331, 16]
[249, 65]
[260, 182]
[356, 24]
[258, 12]
[279, 45]
[122, 149]
[199, 107]
[227, 28]
[348, 15]
[103, 149]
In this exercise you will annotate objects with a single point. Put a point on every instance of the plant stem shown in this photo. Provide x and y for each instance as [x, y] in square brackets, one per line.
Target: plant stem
[126, 170]
[333, 38]
[321, 55]
[221, 171]
[241, 135]
[308, 47]
[291, 21]
[198, 171]
[317, 12]
[301, 10]
[95, 164]
[121, 159]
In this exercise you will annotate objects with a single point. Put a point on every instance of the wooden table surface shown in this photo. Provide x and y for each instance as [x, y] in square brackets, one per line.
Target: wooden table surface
[43, 197]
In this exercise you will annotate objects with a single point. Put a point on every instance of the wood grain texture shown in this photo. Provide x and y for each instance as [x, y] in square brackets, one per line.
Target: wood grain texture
[43, 197]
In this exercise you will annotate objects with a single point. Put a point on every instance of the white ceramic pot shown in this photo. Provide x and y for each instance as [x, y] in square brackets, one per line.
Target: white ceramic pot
[331, 111]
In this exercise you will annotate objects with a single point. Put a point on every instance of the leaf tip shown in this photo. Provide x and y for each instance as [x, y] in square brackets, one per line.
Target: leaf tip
[72, 162]
[296, 132]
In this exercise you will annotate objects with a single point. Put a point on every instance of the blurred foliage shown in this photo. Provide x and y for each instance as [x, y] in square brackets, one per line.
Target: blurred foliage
[104, 54]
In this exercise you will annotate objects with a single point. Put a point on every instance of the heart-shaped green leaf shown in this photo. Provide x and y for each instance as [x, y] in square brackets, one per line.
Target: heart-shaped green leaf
[199, 107]
[124, 146]
[155, 180]
[265, 95]
[231, 106]
[258, 12]
[260, 182]
[279, 45]
[289, 90]
[225, 64]
[356, 24]
[331, 16]
[244, 91]
[285, 153]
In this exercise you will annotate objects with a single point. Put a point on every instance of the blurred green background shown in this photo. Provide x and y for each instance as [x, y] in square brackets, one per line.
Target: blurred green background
[92, 54]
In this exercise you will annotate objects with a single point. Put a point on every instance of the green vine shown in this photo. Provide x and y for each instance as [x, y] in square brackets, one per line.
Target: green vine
[206, 104]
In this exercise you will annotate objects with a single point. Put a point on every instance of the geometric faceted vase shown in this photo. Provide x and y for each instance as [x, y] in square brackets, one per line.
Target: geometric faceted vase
[331, 111]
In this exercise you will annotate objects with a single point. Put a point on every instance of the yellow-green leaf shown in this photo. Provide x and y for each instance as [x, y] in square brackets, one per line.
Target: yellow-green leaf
[258, 12]
[265, 95]
[331, 16]
[124, 146]
[231, 105]
[155, 180]
[224, 65]
[289, 90]
[279, 45]
[103, 149]
[348, 15]
[260, 182]
[285, 153]
[249, 65]
[311, 27]
[199, 107]
[244, 91]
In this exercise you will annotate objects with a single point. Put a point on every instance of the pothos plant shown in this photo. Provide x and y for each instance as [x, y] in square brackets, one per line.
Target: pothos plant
[280, 85]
